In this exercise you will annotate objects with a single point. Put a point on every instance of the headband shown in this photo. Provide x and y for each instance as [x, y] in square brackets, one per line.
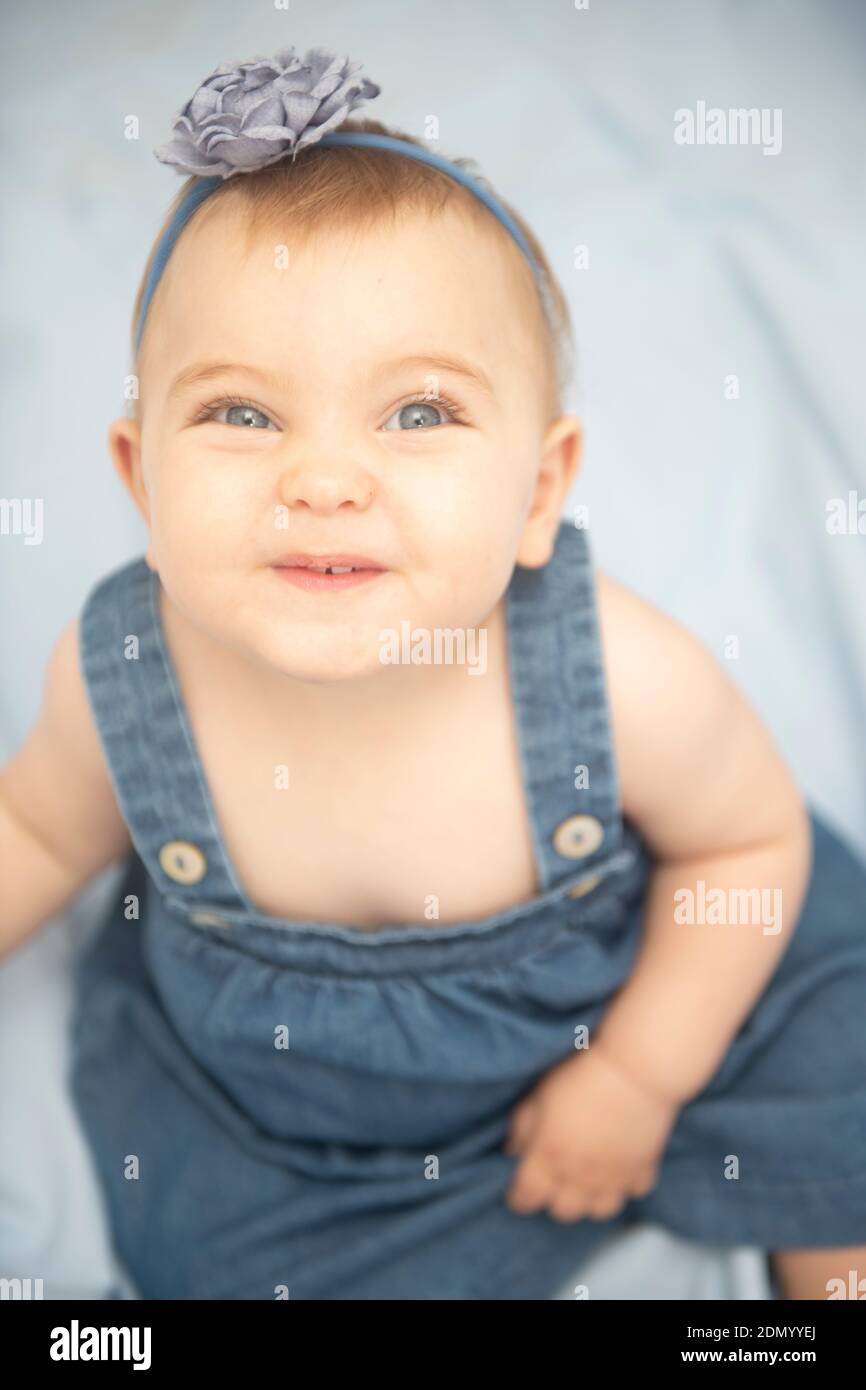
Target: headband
[246, 116]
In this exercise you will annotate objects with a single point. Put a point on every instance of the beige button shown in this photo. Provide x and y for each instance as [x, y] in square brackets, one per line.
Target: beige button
[182, 861]
[207, 919]
[585, 887]
[578, 836]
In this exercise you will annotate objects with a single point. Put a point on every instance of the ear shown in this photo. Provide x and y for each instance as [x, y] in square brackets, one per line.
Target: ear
[124, 443]
[560, 460]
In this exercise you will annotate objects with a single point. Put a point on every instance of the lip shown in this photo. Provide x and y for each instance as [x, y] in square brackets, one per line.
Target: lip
[298, 569]
[303, 560]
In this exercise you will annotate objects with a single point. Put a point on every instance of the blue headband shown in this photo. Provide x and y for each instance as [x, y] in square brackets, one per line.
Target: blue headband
[243, 113]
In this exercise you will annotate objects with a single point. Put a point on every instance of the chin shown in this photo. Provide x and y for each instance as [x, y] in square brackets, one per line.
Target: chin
[327, 665]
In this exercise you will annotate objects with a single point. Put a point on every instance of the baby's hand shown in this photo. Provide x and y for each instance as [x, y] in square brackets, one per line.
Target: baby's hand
[590, 1137]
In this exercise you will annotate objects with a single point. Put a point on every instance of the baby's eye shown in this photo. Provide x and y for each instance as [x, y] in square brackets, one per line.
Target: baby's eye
[242, 413]
[419, 415]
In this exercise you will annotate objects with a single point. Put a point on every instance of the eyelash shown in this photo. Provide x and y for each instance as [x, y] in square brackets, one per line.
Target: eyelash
[443, 402]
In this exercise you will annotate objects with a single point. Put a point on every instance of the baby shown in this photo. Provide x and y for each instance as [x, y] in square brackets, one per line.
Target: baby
[406, 993]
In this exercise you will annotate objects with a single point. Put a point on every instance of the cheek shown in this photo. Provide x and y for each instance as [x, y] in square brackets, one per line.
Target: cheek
[463, 523]
[197, 540]
[207, 511]
[465, 505]
[468, 559]
[468, 523]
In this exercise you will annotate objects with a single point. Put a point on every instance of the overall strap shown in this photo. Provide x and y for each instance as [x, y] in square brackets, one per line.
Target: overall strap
[151, 754]
[561, 708]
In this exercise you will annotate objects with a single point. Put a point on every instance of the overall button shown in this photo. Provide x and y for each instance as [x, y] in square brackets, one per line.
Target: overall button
[182, 861]
[578, 836]
[585, 887]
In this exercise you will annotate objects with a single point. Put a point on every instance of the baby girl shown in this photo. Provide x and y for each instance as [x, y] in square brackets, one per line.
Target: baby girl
[427, 972]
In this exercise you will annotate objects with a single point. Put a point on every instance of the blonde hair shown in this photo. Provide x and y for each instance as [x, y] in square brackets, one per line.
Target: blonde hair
[339, 186]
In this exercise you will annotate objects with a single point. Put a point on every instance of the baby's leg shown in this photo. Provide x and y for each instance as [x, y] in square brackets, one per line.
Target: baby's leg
[821, 1273]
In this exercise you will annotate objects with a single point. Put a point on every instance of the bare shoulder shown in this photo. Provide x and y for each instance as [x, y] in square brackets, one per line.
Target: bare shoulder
[58, 783]
[636, 635]
[697, 768]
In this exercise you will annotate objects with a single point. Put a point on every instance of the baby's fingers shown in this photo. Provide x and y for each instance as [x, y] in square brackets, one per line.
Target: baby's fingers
[524, 1121]
[532, 1187]
[572, 1203]
[644, 1182]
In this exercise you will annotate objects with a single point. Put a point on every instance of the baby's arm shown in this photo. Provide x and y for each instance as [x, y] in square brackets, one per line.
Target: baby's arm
[59, 819]
[703, 782]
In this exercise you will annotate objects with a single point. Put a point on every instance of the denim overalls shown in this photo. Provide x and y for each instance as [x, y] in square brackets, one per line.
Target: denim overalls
[287, 1108]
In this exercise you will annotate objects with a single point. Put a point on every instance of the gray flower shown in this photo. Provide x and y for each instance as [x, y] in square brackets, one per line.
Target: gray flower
[247, 115]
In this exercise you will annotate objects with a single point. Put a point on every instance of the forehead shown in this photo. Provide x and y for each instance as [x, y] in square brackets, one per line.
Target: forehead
[335, 300]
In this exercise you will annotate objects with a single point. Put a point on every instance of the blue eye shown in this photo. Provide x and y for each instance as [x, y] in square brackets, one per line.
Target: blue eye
[416, 415]
[249, 416]
[241, 414]
[246, 415]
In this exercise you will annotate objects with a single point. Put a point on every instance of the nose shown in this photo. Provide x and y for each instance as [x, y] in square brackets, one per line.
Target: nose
[324, 488]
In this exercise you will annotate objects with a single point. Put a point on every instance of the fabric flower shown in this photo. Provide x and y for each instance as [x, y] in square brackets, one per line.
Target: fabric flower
[247, 115]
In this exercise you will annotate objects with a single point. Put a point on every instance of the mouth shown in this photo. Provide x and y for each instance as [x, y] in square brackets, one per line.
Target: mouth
[328, 572]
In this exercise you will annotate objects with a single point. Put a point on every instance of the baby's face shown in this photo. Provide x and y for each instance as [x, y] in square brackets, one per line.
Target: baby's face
[391, 396]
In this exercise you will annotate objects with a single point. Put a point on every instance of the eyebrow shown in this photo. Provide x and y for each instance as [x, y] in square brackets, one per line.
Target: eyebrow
[201, 372]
